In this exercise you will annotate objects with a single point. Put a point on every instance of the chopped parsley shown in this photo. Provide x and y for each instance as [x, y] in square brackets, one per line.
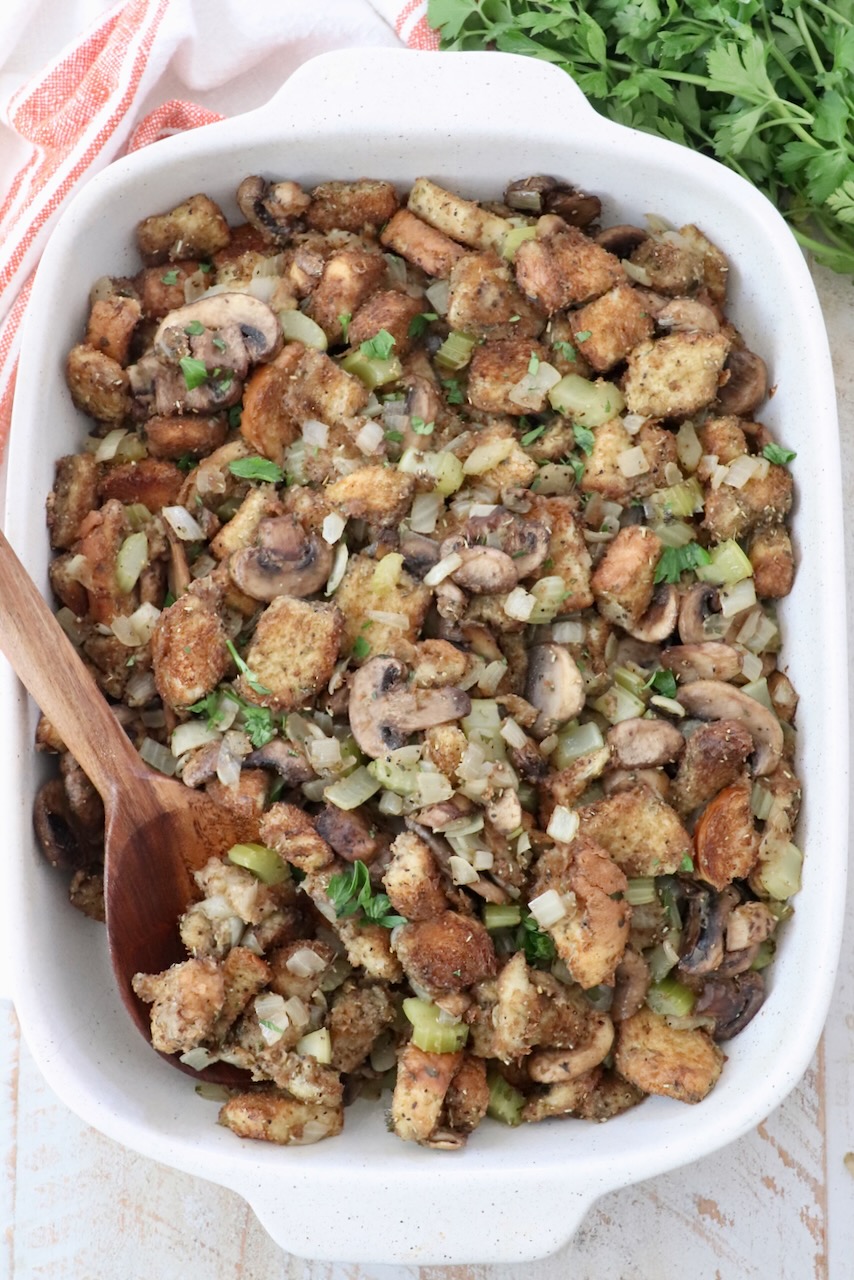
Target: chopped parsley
[776, 453]
[453, 391]
[194, 328]
[206, 267]
[663, 682]
[539, 947]
[418, 324]
[257, 469]
[344, 321]
[582, 335]
[350, 891]
[687, 863]
[361, 647]
[249, 676]
[394, 435]
[584, 438]
[195, 371]
[674, 561]
[379, 347]
[533, 363]
[185, 463]
[235, 415]
[219, 343]
[567, 350]
[530, 436]
[171, 277]
[420, 427]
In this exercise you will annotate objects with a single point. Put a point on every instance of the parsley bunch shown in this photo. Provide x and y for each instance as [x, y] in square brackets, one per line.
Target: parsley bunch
[766, 86]
[350, 892]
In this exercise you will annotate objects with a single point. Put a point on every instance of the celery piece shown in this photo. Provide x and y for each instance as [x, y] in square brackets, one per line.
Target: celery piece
[575, 740]
[587, 403]
[264, 863]
[456, 351]
[131, 559]
[505, 1102]
[635, 682]
[670, 998]
[355, 789]
[778, 873]
[549, 593]
[727, 565]
[298, 327]
[138, 516]
[500, 915]
[758, 690]
[401, 779]
[617, 704]
[371, 370]
[444, 469]
[515, 237]
[674, 533]
[428, 1033]
[678, 500]
[640, 890]
[661, 960]
[764, 954]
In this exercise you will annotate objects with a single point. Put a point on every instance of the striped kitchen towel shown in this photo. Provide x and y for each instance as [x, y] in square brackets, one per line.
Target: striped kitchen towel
[144, 69]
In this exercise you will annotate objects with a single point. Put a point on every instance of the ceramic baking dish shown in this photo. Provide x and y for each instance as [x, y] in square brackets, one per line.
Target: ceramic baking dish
[472, 121]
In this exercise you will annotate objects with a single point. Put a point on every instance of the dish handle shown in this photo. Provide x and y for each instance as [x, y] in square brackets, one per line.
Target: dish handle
[346, 90]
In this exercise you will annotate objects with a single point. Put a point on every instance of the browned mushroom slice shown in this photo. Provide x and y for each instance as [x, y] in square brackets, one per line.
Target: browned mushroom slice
[287, 758]
[272, 208]
[687, 315]
[644, 744]
[659, 620]
[384, 710]
[542, 194]
[697, 611]
[709, 660]
[714, 700]
[249, 328]
[485, 571]
[621, 240]
[747, 386]
[705, 921]
[731, 1002]
[554, 686]
[286, 561]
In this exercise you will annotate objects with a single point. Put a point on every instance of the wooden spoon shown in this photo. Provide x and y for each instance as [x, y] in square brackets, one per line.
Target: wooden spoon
[158, 831]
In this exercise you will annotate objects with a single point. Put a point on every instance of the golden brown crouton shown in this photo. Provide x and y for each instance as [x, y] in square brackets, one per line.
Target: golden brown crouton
[568, 555]
[641, 833]
[320, 388]
[565, 1099]
[468, 1095]
[111, 324]
[496, 367]
[291, 832]
[240, 530]
[515, 470]
[563, 267]
[247, 798]
[186, 1002]
[723, 437]
[73, 496]
[675, 376]
[592, 936]
[390, 310]
[272, 1116]
[196, 228]
[102, 533]
[348, 280]
[421, 244]
[292, 653]
[359, 595]
[734, 513]
[423, 1079]
[725, 838]
[610, 1096]
[622, 582]
[162, 291]
[188, 650]
[458, 218]
[368, 947]
[380, 495]
[151, 481]
[655, 1057]
[86, 894]
[351, 206]
[178, 437]
[448, 952]
[444, 746]
[565, 786]
[714, 757]
[357, 1017]
[614, 324]
[98, 384]
[244, 974]
[288, 962]
[484, 300]
[770, 553]
[267, 423]
[602, 473]
[412, 879]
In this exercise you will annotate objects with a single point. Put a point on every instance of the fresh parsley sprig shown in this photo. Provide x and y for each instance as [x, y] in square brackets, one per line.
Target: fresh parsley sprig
[350, 892]
[675, 560]
[538, 946]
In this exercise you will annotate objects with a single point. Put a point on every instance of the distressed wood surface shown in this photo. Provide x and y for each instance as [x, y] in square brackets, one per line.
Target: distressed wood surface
[779, 1203]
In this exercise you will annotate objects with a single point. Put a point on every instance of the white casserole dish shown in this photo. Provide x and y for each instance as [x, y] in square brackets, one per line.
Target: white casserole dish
[471, 121]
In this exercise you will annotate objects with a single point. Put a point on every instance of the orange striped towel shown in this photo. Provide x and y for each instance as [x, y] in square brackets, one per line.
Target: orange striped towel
[112, 92]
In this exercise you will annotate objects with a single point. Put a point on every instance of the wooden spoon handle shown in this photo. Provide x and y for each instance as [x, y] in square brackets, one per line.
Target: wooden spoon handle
[48, 665]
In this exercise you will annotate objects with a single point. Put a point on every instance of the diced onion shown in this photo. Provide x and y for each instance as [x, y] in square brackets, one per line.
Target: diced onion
[438, 296]
[633, 422]
[324, 754]
[549, 594]
[332, 528]
[737, 598]
[633, 462]
[339, 566]
[484, 457]
[197, 1059]
[563, 824]
[396, 268]
[315, 433]
[491, 676]
[434, 788]
[229, 760]
[108, 447]
[688, 448]
[448, 565]
[425, 512]
[298, 327]
[751, 666]
[547, 908]
[530, 390]
[758, 690]
[183, 524]
[131, 559]
[443, 468]
[672, 474]
[352, 791]
[305, 963]
[297, 1012]
[158, 756]
[370, 437]
[399, 621]
[272, 1016]
[317, 1045]
[519, 605]
[640, 275]
[191, 734]
[139, 690]
[572, 632]
[740, 470]
[483, 860]
[391, 803]
[462, 872]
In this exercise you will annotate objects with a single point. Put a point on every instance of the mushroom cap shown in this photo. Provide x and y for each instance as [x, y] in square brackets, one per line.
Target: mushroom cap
[748, 383]
[554, 685]
[525, 542]
[710, 660]
[485, 571]
[384, 709]
[660, 619]
[286, 561]
[698, 602]
[258, 325]
[714, 700]
[271, 208]
[644, 744]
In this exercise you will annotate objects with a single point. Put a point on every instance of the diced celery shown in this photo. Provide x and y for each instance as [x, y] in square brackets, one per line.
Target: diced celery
[505, 1102]
[394, 776]
[758, 690]
[617, 704]
[484, 457]
[483, 726]
[670, 998]
[131, 559]
[674, 533]
[515, 237]
[761, 801]
[764, 955]
[661, 960]
[264, 863]
[634, 681]
[456, 351]
[587, 403]
[355, 789]
[371, 370]
[666, 886]
[640, 890]
[575, 740]
[500, 915]
[428, 1033]
[679, 500]
[137, 515]
[778, 873]
[727, 565]
[444, 469]
[298, 327]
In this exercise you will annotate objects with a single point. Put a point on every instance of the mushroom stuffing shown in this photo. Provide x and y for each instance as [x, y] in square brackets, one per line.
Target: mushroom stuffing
[439, 540]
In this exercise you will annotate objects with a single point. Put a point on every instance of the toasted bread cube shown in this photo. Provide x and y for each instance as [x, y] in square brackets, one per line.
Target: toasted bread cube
[390, 310]
[468, 1095]
[151, 481]
[179, 437]
[563, 267]
[675, 376]
[195, 229]
[567, 1099]
[657, 1058]
[602, 473]
[358, 595]
[734, 513]
[770, 553]
[73, 496]
[614, 323]
[320, 388]
[188, 650]
[292, 653]
[98, 384]
[351, 206]
[357, 1017]
[421, 244]
[446, 953]
[162, 291]
[244, 974]
[186, 1002]
[348, 280]
[267, 423]
[714, 757]
[368, 947]
[412, 879]
[623, 581]
[568, 557]
[291, 832]
[642, 834]
[423, 1079]
[515, 469]
[495, 369]
[565, 786]
[484, 300]
[272, 1116]
[380, 495]
[724, 437]
[444, 746]
[111, 324]
[460, 219]
[240, 530]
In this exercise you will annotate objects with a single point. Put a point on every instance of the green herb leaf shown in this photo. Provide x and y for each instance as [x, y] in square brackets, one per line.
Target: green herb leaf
[257, 469]
[259, 724]
[584, 438]
[171, 277]
[344, 321]
[420, 427]
[453, 391]
[663, 682]
[235, 414]
[195, 371]
[209, 706]
[206, 267]
[418, 324]
[582, 335]
[687, 863]
[530, 436]
[379, 347]
[567, 350]
[350, 891]
[539, 947]
[249, 676]
[361, 647]
[194, 328]
[394, 435]
[533, 363]
[674, 561]
[219, 343]
[776, 453]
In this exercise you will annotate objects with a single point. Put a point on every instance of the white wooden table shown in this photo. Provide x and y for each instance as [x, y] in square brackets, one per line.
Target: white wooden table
[777, 1205]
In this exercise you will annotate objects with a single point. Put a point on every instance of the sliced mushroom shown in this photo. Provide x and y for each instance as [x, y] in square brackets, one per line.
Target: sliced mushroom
[56, 829]
[687, 315]
[710, 660]
[705, 923]
[714, 700]
[659, 621]
[748, 383]
[554, 1066]
[419, 552]
[644, 744]
[385, 710]
[287, 758]
[272, 208]
[731, 1002]
[287, 561]
[485, 571]
[526, 542]
[554, 686]
[631, 983]
[622, 240]
[543, 194]
[699, 603]
[225, 315]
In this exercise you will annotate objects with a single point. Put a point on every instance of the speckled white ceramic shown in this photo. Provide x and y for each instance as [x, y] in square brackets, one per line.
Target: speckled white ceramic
[471, 121]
